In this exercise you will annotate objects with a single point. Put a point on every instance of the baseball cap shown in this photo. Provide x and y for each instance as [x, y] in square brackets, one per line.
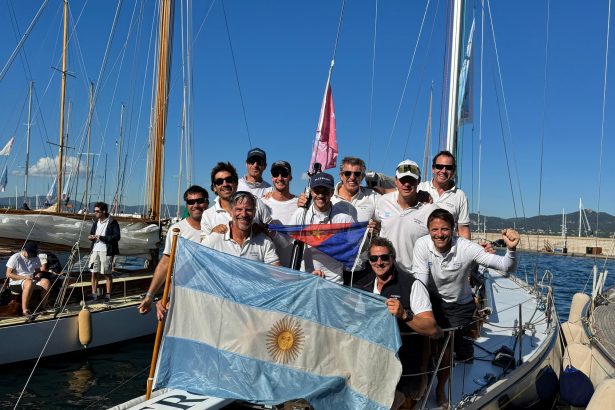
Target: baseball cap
[281, 164]
[321, 179]
[257, 152]
[408, 168]
[31, 248]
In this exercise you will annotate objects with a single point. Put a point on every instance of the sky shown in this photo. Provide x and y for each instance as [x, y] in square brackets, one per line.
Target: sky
[281, 52]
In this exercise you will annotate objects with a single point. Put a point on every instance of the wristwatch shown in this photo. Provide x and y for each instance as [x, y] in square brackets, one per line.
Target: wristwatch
[407, 316]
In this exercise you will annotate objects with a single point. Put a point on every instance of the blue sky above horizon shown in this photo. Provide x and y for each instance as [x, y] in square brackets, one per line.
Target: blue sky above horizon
[283, 51]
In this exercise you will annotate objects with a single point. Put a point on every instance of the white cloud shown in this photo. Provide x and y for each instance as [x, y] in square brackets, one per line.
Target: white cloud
[46, 166]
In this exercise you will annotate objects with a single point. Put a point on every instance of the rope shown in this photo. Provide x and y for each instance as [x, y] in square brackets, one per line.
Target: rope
[403, 93]
[230, 43]
[371, 95]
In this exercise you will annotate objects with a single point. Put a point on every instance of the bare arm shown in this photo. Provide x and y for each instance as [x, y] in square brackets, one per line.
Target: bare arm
[425, 324]
[158, 279]
[464, 232]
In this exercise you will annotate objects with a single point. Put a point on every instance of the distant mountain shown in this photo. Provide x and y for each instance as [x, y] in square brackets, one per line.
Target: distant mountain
[551, 224]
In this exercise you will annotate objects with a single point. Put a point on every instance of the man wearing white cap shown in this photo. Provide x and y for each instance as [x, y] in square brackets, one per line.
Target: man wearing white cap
[403, 217]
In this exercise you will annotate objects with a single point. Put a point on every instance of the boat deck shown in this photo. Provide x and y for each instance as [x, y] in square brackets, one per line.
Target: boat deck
[604, 325]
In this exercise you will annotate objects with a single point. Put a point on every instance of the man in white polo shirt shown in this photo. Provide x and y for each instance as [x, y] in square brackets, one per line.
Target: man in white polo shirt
[282, 205]
[197, 200]
[445, 194]
[224, 185]
[240, 239]
[403, 217]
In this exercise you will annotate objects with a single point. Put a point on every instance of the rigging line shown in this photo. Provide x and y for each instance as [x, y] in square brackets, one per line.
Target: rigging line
[243, 106]
[401, 100]
[542, 131]
[506, 116]
[606, 69]
[337, 35]
[17, 31]
[22, 40]
[445, 79]
[421, 78]
[480, 108]
[371, 95]
[203, 22]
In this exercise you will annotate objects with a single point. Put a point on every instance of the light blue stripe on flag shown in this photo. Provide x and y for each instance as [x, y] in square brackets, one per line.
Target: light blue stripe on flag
[241, 329]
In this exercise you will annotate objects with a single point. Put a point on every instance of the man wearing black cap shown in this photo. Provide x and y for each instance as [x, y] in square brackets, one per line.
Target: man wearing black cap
[282, 205]
[322, 211]
[256, 162]
[23, 270]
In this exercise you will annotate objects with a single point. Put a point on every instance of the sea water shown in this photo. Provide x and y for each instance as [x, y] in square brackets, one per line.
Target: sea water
[103, 377]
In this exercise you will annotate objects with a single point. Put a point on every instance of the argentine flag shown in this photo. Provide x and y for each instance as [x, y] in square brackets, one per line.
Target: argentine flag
[265, 334]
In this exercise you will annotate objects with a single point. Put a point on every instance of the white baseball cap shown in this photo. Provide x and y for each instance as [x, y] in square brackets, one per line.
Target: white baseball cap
[408, 168]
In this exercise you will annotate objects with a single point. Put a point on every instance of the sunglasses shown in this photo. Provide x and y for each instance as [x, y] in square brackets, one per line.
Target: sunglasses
[408, 168]
[196, 201]
[357, 174]
[384, 258]
[279, 172]
[442, 166]
[256, 160]
[97, 211]
[228, 180]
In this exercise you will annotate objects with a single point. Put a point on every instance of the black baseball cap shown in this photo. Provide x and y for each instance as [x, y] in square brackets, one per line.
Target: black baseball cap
[281, 164]
[322, 179]
[257, 152]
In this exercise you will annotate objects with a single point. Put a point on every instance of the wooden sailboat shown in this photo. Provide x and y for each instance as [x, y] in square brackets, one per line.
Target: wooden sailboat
[60, 329]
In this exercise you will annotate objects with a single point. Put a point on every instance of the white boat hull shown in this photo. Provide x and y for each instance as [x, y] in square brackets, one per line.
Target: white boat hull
[48, 337]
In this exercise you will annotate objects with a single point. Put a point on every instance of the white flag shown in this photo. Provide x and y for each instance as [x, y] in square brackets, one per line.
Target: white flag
[7, 148]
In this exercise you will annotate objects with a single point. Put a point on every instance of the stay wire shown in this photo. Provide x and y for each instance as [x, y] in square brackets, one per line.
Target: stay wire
[230, 43]
[371, 95]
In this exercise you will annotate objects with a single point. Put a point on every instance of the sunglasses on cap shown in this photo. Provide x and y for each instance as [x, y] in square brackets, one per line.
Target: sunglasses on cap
[196, 201]
[228, 180]
[357, 174]
[384, 258]
[408, 168]
[255, 160]
[279, 172]
[443, 166]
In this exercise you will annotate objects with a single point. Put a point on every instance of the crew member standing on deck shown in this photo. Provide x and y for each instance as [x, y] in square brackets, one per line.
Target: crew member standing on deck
[256, 163]
[105, 235]
[197, 201]
[445, 194]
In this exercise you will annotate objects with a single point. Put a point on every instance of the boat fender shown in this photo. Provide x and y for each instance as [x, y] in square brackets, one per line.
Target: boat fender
[575, 388]
[579, 301]
[85, 327]
[604, 396]
[546, 383]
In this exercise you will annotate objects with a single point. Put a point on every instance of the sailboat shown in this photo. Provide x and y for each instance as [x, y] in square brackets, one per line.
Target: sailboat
[71, 325]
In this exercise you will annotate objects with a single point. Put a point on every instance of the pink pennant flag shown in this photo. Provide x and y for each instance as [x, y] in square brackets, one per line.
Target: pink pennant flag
[325, 144]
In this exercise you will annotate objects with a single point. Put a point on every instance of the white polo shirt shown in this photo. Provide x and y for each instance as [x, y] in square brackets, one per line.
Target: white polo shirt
[282, 213]
[313, 259]
[258, 248]
[216, 215]
[363, 203]
[453, 200]
[402, 226]
[185, 231]
[449, 273]
[22, 266]
[258, 189]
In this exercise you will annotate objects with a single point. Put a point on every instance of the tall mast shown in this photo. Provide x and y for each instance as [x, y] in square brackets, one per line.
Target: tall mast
[451, 130]
[580, 216]
[62, 100]
[87, 155]
[25, 188]
[162, 91]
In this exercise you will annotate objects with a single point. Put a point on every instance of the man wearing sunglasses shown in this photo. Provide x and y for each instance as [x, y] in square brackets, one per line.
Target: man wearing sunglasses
[403, 217]
[322, 211]
[256, 163]
[224, 185]
[104, 235]
[407, 300]
[443, 191]
[282, 205]
[197, 201]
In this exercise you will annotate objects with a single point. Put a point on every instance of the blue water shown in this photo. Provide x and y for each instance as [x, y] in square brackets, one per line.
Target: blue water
[101, 378]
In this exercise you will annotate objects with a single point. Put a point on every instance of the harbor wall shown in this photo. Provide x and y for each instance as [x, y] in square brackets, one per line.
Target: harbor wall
[554, 243]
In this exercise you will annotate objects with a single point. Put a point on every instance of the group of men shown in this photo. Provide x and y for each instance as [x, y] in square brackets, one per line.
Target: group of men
[398, 221]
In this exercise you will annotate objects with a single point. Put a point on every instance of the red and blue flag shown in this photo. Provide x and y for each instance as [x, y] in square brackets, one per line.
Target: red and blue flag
[341, 241]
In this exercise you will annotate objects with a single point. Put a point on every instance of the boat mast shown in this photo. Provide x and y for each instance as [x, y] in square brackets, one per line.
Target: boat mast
[451, 130]
[25, 188]
[62, 100]
[87, 155]
[162, 92]
[580, 216]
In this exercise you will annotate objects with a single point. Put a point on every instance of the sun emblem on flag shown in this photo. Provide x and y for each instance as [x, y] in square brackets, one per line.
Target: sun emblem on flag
[285, 340]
